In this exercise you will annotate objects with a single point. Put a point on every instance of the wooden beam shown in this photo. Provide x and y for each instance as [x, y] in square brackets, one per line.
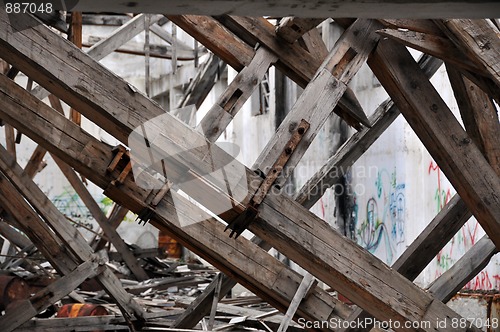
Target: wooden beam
[23, 311]
[466, 268]
[440, 47]
[106, 46]
[67, 233]
[337, 165]
[479, 115]
[281, 222]
[321, 95]
[110, 232]
[251, 266]
[10, 139]
[116, 217]
[278, 223]
[294, 61]
[315, 44]
[216, 38]
[308, 8]
[479, 39]
[166, 36]
[418, 25]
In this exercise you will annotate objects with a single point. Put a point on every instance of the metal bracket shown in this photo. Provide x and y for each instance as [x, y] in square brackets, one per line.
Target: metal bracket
[121, 153]
[240, 223]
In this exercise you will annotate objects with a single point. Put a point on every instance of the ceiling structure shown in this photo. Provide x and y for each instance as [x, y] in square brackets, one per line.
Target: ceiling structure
[470, 49]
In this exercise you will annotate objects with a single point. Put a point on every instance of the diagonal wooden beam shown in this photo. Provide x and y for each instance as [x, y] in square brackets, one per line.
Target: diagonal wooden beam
[238, 51]
[111, 43]
[249, 265]
[67, 233]
[321, 95]
[438, 46]
[281, 222]
[337, 165]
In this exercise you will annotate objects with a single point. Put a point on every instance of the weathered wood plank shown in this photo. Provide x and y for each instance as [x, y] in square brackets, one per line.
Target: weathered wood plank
[479, 115]
[216, 38]
[315, 44]
[116, 217]
[479, 39]
[468, 266]
[252, 267]
[69, 235]
[440, 47]
[308, 8]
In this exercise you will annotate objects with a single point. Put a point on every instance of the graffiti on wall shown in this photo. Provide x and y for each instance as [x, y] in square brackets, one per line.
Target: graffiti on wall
[383, 225]
[441, 196]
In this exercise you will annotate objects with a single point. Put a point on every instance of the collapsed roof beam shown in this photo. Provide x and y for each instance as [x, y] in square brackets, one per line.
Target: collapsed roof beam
[352, 271]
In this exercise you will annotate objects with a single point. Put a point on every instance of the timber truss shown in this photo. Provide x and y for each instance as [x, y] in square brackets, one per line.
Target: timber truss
[469, 158]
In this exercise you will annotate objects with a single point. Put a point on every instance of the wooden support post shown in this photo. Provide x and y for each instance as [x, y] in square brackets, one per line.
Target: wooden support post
[321, 95]
[215, 302]
[91, 158]
[110, 232]
[23, 311]
[292, 28]
[315, 44]
[237, 93]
